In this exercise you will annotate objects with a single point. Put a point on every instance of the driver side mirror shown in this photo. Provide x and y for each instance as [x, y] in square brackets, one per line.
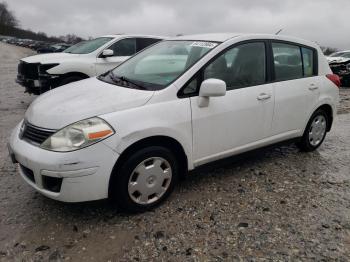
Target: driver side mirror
[107, 53]
[210, 88]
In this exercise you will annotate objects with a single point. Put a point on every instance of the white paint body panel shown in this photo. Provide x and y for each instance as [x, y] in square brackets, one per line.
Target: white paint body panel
[90, 97]
[230, 121]
[230, 124]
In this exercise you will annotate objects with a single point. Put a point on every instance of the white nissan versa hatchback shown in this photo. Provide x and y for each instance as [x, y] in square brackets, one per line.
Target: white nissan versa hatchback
[131, 133]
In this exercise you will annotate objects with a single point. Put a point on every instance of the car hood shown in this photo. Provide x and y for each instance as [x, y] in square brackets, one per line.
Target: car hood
[49, 58]
[337, 59]
[80, 100]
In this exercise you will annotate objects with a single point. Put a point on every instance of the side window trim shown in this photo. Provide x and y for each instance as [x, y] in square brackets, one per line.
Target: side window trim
[200, 72]
[302, 60]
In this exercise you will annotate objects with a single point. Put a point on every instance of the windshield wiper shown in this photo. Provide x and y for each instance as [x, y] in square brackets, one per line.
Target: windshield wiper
[127, 80]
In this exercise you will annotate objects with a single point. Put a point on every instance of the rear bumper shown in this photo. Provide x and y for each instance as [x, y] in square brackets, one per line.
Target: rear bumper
[77, 176]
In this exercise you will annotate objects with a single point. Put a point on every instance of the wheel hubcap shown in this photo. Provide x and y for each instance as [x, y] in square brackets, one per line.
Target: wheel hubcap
[317, 130]
[150, 180]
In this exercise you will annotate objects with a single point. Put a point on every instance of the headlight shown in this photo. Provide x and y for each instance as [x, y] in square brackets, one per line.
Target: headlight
[78, 135]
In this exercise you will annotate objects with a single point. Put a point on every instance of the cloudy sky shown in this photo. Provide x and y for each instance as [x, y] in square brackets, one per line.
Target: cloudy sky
[322, 21]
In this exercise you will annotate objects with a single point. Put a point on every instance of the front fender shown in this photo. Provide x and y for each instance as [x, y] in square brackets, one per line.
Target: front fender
[170, 119]
[70, 67]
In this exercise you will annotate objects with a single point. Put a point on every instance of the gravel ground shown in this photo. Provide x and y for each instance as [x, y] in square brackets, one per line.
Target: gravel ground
[275, 204]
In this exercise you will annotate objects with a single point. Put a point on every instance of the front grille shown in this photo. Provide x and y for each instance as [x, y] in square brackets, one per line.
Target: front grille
[34, 134]
[28, 173]
[28, 70]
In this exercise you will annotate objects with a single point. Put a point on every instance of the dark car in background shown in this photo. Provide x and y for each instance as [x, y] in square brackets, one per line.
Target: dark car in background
[339, 62]
[56, 48]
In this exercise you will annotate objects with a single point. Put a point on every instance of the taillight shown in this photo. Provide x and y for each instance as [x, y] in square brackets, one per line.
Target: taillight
[335, 79]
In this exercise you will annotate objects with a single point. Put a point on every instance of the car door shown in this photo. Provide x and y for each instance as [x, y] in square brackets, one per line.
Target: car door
[243, 116]
[296, 87]
[122, 50]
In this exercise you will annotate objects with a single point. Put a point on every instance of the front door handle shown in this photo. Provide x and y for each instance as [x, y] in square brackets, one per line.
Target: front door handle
[263, 96]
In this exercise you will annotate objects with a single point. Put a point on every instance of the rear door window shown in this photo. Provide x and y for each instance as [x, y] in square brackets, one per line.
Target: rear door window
[142, 43]
[288, 61]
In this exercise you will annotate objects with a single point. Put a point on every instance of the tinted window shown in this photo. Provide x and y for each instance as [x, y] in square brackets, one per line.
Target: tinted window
[142, 43]
[287, 60]
[241, 66]
[308, 60]
[124, 47]
[88, 46]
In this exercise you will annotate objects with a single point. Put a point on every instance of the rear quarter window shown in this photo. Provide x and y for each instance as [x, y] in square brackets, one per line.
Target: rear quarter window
[308, 61]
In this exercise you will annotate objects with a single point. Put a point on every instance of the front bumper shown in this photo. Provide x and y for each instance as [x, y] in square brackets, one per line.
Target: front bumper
[83, 175]
[32, 86]
[38, 86]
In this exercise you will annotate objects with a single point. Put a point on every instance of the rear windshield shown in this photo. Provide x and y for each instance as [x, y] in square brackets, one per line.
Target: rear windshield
[88, 46]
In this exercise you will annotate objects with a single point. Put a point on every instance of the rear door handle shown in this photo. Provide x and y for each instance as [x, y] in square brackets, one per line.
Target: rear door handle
[313, 87]
[263, 96]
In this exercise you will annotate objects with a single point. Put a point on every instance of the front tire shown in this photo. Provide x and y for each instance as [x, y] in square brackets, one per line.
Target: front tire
[315, 131]
[145, 180]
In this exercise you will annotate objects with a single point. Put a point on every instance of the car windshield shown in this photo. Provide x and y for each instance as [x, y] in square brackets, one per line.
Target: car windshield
[346, 55]
[88, 46]
[341, 54]
[158, 66]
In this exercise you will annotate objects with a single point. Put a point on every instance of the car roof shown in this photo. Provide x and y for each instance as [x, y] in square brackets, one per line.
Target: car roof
[223, 37]
[216, 37]
[134, 35]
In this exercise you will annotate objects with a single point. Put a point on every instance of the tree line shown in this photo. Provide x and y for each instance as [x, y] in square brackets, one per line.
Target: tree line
[9, 26]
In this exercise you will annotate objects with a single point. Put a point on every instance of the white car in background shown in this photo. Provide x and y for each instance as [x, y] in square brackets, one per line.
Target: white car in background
[131, 133]
[338, 57]
[340, 65]
[40, 73]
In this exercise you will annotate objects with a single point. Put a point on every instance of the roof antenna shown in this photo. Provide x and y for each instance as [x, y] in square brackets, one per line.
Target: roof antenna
[279, 31]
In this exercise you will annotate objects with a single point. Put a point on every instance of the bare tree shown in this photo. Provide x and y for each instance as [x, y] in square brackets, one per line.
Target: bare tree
[9, 26]
[7, 18]
[328, 50]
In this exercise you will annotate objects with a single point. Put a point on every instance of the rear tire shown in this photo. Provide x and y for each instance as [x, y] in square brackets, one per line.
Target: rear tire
[315, 131]
[145, 180]
[346, 81]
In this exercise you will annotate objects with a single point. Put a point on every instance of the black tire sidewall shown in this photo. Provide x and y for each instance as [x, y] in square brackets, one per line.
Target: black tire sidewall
[120, 181]
[305, 144]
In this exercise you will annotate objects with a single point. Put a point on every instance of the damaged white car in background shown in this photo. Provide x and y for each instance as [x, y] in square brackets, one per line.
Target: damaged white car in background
[339, 62]
[40, 73]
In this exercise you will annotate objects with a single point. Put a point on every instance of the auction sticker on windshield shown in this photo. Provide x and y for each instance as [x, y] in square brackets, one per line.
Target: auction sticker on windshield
[204, 44]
